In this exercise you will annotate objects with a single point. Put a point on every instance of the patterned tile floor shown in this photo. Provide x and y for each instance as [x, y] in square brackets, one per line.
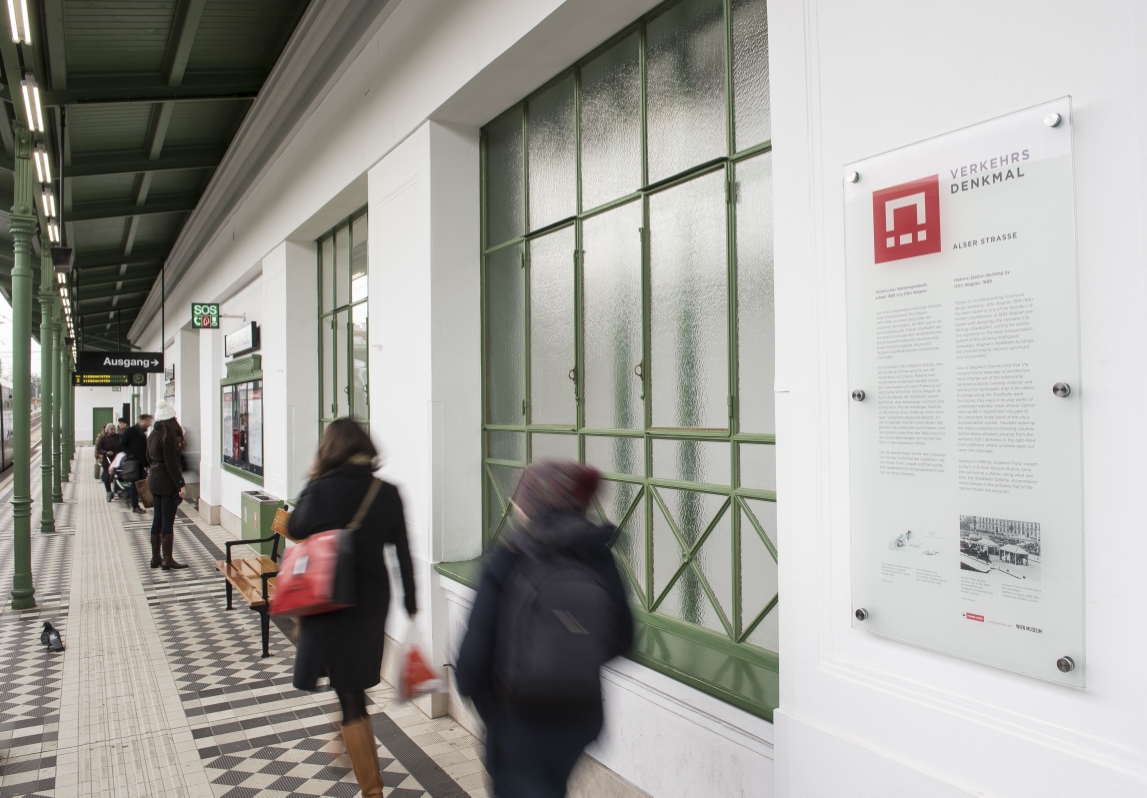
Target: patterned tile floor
[164, 691]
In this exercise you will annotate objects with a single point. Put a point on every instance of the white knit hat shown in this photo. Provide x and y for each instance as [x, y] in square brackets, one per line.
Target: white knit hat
[163, 411]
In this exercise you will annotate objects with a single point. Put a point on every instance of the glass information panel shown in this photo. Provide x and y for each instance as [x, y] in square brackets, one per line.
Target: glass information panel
[242, 433]
[964, 374]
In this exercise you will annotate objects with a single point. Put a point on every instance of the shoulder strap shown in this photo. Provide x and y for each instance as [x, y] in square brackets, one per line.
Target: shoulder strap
[367, 501]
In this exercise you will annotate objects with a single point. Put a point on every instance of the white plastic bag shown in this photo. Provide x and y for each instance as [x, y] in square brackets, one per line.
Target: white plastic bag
[416, 676]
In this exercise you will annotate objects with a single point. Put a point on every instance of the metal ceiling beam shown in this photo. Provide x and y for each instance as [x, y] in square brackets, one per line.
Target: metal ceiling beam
[86, 286]
[123, 288]
[54, 33]
[134, 162]
[86, 261]
[87, 211]
[182, 37]
[111, 90]
[109, 295]
[98, 315]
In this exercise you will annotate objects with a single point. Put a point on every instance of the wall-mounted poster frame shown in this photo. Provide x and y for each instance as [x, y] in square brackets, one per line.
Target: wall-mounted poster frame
[241, 419]
[964, 365]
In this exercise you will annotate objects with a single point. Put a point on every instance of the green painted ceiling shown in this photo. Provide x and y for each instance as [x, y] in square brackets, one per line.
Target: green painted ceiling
[142, 97]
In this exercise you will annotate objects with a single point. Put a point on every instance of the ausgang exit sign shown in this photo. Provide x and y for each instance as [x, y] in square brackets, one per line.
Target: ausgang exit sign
[205, 316]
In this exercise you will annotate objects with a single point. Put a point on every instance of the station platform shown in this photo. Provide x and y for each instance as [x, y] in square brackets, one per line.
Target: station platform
[161, 691]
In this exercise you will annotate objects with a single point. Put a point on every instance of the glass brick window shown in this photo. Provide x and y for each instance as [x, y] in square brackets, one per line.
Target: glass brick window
[344, 388]
[628, 311]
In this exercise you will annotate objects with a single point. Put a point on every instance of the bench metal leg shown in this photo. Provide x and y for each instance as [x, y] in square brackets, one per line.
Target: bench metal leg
[265, 624]
[229, 589]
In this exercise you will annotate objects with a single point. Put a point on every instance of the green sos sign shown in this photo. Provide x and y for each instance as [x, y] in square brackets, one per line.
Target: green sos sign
[205, 316]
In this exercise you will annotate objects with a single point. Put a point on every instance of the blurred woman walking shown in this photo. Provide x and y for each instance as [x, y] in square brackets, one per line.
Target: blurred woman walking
[347, 644]
[165, 444]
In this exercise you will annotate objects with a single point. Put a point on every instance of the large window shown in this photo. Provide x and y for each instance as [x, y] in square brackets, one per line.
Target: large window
[344, 388]
[628, 323]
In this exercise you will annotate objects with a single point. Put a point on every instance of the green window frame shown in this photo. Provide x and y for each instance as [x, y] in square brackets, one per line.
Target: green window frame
[611, 247]
[344, 325]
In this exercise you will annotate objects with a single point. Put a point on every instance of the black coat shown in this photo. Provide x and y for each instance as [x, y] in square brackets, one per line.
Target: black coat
[517, 736]
[164, 474]
[133, 441]
[349, 642]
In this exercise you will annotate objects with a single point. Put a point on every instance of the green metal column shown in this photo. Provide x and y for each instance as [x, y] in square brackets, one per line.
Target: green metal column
[22, 221]
[71, 388]
[57, 379]
[66, 402]
[47, 362]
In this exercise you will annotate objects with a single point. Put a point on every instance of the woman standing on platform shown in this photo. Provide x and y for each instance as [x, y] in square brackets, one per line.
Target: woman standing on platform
[347, 644]
[165, 481]
[107, 447]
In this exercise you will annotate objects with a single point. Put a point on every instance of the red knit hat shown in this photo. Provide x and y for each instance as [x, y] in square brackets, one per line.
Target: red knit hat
[556, 486]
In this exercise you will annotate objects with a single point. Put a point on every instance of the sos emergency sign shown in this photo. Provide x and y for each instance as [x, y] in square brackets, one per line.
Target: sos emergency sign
[205, 316]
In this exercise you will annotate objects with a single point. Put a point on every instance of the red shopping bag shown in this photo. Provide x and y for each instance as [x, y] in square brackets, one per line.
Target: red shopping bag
[416, 676]
[306, 581]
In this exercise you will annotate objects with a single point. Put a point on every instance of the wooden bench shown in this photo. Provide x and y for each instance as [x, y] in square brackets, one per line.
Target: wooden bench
[254, 577]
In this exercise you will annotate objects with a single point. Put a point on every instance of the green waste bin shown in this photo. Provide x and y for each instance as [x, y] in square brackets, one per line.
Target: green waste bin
[258, 513]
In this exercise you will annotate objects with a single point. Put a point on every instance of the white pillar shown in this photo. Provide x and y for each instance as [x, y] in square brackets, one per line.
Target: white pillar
[210, 372]
[425, 356]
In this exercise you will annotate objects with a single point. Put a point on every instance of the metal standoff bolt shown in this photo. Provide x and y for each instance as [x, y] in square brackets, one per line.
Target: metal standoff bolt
[862, 615]
[858, 395]
[1061, 389]
[1065, 664]
[853, 177]
[1052, 120]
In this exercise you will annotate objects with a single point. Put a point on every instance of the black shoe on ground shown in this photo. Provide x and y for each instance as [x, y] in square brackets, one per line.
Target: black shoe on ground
[139, 510]
[109, 495]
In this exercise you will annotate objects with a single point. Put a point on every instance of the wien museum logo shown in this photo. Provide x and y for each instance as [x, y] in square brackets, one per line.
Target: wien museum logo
[906, 219]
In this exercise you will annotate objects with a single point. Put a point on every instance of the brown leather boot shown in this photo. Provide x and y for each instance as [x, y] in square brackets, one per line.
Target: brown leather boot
[156, 557]
[169, 563]
[358, 736]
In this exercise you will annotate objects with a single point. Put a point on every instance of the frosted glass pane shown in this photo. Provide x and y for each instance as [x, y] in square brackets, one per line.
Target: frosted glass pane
[494, 510]
[552, 335]
[505, 337]
[692, 461]
[759, 466]
[715, 560]
[616, 455]
[767, 635]
[553, 447]
[630, 543]
[342, 266]
[330, 356]
[553, 162]
[505, 179]
[616, 499]
[687, 602]
[611, 124]
[359, 260]
[612, 318]
[497, 502]
[766, 515]
[327, 265]
[685, 87]
[756, 346]
[751, 118]
[689, 305]
[506, 479]
[666, 552]
[506, 445]
[359, 336]
[758, 573]
[342, 355]
[691, 510]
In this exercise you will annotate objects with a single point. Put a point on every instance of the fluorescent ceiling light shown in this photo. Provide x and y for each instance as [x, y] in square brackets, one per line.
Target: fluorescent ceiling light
[18, 20]
[46, 204]
[60, 278]
[43, 165]
[32, 107]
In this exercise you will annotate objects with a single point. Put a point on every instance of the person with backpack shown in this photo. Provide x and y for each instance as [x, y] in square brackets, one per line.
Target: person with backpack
[347, 644]
[550, 611]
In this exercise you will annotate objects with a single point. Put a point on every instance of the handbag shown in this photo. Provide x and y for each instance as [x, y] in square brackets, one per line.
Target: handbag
[317, 574]
[99, 471]
[145, 497]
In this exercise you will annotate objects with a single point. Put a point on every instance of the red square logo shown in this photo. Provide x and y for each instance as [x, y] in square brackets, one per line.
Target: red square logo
[906, 219]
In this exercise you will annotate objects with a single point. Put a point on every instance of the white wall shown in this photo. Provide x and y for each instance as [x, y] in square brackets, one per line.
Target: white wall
[865, 716]
[88, 398]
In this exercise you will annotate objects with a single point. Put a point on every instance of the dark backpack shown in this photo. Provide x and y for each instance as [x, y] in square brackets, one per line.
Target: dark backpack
[556, 628]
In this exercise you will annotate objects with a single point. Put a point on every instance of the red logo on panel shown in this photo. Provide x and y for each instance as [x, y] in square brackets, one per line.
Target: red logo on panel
[971, 616]
[906, 219]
